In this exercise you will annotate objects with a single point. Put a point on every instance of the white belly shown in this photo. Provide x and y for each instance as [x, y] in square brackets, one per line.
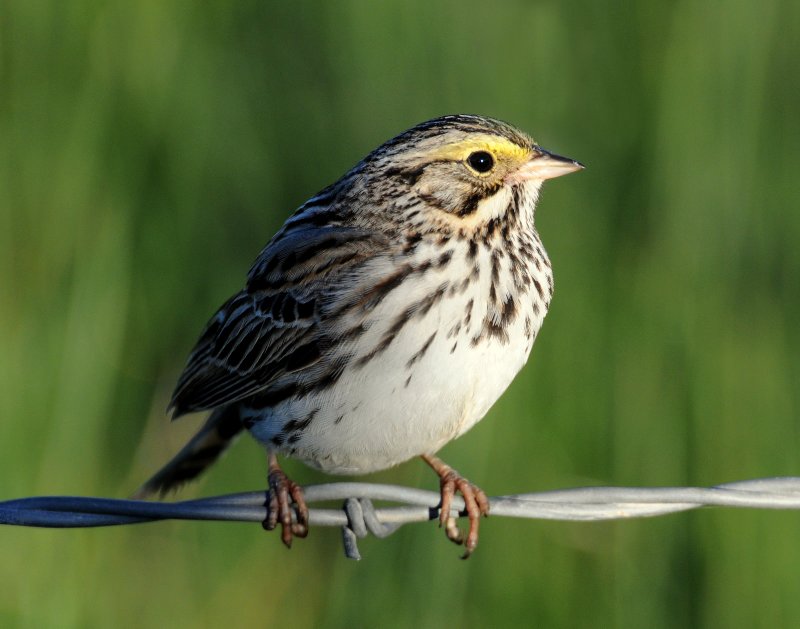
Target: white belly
[428, 386]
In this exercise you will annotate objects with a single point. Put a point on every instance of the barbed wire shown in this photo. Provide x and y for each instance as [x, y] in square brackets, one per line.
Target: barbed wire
[358, 516]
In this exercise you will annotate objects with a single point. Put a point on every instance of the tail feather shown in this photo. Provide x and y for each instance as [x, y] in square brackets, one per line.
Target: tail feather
[219, 432]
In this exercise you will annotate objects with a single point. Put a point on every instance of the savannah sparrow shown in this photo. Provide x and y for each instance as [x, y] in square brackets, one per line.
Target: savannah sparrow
[384, 319]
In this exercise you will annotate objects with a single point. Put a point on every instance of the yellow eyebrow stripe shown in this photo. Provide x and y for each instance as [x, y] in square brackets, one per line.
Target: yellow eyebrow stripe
[500, 147]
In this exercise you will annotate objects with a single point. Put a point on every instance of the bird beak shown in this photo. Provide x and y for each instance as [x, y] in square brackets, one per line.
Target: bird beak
[546, 165]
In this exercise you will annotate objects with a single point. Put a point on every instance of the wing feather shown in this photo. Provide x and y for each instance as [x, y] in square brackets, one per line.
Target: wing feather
[272, 327]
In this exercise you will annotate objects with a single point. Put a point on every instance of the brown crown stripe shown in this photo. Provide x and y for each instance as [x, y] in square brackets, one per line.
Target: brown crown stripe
[440, 126]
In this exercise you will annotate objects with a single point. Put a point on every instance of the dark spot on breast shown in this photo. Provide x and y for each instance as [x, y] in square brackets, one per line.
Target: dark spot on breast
[353, 333]
[417, 309]
[428, 302]
[454, 330]
[445, 258]
[421, 351]
[423, 267]
[381, 289]
[491, 329]
[495, 266]
[327, 379]
[298, 425]
[508, 312]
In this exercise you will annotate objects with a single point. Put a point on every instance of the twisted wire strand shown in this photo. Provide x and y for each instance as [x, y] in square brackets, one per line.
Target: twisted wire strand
[358, 516]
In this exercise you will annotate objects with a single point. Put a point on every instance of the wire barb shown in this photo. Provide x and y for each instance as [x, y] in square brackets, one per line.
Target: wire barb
[358, 517]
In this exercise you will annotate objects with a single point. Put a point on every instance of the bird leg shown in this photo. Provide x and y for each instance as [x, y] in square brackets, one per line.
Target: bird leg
[475, 501]
[279, 509]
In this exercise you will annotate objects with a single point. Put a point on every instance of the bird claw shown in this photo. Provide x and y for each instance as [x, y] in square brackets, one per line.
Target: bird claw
[452, 531]
[476, 504]
[279, 507]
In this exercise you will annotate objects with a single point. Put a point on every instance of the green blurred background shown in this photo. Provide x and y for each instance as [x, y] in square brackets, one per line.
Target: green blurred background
[149, 149]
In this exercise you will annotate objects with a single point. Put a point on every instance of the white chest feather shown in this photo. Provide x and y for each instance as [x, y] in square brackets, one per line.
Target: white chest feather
[434, 352]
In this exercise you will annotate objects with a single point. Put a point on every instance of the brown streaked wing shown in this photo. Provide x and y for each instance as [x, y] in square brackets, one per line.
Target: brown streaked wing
[271, 328]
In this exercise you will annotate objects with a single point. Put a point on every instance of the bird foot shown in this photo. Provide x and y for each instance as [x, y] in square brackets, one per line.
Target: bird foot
[475, 501]
[279, 507]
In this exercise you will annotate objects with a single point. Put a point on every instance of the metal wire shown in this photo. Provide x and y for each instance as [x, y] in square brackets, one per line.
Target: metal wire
[358, 516]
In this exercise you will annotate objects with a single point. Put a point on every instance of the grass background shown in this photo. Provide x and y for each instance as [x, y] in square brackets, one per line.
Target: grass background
[147, 152]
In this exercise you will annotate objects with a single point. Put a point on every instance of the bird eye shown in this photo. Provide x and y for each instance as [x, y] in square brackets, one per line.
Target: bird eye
[481, 161]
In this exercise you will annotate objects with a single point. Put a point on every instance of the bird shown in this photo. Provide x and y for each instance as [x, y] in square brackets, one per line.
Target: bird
[382, 320]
